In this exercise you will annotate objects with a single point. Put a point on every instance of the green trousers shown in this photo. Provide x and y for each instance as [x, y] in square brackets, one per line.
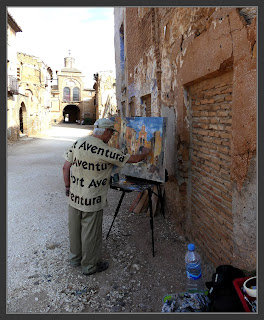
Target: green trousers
[85, 232]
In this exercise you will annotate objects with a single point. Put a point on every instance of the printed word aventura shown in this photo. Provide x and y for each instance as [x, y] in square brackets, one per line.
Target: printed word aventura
[89, 166]
[85, 201]
[94, 149]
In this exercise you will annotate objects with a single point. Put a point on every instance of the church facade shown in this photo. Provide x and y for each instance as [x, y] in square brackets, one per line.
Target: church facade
[71, 102]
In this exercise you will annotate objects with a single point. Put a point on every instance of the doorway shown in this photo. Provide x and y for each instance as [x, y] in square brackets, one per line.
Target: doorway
[22, 119]
[71, 113]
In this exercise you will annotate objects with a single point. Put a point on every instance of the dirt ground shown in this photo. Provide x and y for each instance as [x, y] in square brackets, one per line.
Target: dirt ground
[39, 277]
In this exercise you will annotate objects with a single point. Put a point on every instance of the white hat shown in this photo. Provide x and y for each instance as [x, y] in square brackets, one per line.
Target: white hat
[105, 123]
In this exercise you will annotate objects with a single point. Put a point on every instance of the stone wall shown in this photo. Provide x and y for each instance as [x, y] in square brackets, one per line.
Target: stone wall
[198, 66]
[87, 106]
[33, 99]
[106, 95]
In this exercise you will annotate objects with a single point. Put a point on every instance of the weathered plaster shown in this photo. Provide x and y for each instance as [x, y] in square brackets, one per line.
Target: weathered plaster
[244, 102]
[170, 146]
[145, 83]
[207, 52]
[244, 205]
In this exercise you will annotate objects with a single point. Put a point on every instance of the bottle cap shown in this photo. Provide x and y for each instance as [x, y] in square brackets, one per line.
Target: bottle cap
[191, 247]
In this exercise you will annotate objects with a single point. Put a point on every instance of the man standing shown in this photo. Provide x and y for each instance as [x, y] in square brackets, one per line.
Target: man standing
[87, 173]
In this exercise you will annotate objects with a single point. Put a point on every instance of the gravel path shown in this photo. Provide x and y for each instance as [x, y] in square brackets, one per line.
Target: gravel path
[39, 278]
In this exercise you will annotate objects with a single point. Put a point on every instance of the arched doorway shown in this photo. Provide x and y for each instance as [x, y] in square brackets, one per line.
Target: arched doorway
[71, 113]
[23, 119]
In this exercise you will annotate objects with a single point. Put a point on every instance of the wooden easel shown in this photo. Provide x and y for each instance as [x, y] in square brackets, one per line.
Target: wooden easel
[130, 184]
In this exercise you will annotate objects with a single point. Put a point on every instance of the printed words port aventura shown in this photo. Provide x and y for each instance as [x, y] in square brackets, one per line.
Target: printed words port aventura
[93, 183]
[90, 166]
[100, 151]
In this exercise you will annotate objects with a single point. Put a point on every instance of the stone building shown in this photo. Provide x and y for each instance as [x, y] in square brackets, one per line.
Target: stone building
[12, 29]
[34, 94]
[28, 100]
[105, 86]
[70, 100]
[197, 67]
[12, 82]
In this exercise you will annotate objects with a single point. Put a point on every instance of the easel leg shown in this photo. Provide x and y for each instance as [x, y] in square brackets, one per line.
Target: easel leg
[116, 212]
[151, 219]
[161, 200]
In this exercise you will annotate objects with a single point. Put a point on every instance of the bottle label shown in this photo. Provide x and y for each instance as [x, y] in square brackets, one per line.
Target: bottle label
[194, 271]
[192, 276]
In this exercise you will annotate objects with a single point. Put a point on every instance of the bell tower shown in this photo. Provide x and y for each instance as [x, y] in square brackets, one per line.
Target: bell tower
[69, 61]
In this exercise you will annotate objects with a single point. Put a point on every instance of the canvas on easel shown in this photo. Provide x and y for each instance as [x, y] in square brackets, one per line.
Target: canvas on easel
[135, 133]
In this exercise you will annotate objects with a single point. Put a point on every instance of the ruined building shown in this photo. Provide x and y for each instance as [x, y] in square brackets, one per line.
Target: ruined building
[34, 102]
[105, 87]
[34, 94]
[28, 92]
[70, 100]
[197, 67]
[12, 82]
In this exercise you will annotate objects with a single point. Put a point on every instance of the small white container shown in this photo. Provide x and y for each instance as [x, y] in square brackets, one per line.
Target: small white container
[248, 284]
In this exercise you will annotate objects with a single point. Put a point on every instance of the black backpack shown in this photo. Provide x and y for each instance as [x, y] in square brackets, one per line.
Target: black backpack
[222, 292]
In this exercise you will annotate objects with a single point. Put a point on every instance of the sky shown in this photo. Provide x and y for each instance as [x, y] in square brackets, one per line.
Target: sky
[50, 32]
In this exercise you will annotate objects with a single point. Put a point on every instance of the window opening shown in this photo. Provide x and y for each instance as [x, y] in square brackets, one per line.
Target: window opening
[66, 94]
[76, 94]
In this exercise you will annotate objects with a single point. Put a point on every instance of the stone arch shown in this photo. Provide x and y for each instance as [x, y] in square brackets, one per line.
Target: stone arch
[28, 92]
[71, 113]
[23, 118]
[75, 82]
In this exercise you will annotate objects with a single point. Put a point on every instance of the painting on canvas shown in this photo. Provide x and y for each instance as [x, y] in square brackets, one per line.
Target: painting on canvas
[135, 133]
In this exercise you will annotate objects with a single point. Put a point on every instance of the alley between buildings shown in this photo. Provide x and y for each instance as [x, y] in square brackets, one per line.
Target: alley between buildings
[39, 278]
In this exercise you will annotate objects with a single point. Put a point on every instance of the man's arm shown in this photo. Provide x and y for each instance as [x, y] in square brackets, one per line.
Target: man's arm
[139, 157]
[66, 176]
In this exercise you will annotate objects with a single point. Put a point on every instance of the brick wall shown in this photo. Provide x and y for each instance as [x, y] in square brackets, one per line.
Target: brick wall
[137, 39]
[211, 192]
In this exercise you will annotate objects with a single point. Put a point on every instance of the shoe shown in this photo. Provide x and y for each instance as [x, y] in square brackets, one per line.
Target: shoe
[75, 264]
[101, 266]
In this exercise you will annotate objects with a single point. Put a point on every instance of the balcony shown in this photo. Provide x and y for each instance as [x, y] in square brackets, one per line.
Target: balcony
[12, 86]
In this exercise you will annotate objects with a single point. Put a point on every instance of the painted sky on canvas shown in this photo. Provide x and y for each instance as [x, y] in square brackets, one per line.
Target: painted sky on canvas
[152, 124]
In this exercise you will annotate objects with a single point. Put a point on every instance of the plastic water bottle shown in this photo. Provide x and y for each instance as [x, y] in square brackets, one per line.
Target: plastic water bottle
[194, 271]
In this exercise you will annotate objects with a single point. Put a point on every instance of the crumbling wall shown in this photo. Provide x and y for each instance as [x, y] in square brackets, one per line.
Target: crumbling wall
[119, 53]
[141, 63]
[87, 106]
[208, 59]
[106, 95]
[244, 205]
[34, 94]
[12, 119]
[199, 67]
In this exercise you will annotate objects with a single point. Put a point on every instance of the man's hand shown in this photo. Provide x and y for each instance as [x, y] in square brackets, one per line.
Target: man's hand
[66, 177]
[145, 151]
[67, 191]
[140, 156]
